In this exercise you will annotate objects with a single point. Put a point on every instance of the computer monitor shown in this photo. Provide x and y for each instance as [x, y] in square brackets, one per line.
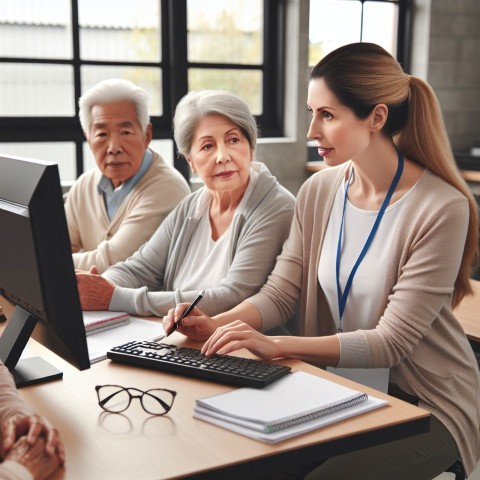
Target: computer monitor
[36, 271]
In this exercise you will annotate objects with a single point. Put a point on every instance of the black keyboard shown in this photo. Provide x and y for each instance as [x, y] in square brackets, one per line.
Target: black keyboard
[189, 361]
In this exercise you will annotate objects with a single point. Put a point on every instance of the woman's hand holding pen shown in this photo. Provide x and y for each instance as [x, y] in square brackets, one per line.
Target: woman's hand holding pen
[237, 335]
[196, 325]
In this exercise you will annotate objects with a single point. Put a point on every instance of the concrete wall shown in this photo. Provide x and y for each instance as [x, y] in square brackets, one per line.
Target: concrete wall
[454, 67]
[446, 52]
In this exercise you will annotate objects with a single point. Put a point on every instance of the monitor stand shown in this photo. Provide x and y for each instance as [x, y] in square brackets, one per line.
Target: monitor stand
[25, 371]
[33, 370]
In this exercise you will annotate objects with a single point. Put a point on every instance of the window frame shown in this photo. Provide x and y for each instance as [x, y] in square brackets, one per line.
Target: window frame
[174, 65]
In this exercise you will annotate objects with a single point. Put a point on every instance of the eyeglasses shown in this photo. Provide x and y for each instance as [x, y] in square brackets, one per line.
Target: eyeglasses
[116, 399]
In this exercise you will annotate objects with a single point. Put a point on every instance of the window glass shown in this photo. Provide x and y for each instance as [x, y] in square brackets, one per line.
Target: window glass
[165, 148]
[333, 23]
[121, 31]
[36, 90]
[88, 158]
[149, 78]
[380, 22]
[28, 28]
[247, 84]
[225, 32]
[62, 153]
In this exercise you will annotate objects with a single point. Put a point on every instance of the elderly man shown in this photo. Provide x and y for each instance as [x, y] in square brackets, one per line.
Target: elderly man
[113, 209]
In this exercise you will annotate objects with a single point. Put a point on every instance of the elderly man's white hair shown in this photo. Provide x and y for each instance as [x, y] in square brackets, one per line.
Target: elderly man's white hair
[110, 91]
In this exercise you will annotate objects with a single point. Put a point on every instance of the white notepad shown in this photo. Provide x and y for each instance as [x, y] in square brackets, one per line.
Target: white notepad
[295, 404]
[136, 329]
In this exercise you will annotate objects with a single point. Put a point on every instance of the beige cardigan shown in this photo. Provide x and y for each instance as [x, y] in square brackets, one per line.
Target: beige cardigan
[418, 336]
[101, 242]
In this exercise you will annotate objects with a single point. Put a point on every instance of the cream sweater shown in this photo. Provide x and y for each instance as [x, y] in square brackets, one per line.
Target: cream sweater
[417, 336]
[98, 241]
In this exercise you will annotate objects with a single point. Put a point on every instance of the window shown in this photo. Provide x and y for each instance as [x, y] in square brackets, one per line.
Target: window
[49, 56]
[334, 23]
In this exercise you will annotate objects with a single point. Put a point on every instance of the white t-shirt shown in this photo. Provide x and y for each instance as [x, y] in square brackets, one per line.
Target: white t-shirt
[364, 304]
[206, 261]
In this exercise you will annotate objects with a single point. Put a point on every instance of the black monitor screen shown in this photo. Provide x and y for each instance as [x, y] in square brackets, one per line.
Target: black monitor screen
[36, 270]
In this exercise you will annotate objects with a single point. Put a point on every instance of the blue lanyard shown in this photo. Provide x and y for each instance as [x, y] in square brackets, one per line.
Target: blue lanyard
[342, 297]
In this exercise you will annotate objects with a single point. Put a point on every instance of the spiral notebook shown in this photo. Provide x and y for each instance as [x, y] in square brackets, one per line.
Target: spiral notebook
[100, 320]
[295, 404]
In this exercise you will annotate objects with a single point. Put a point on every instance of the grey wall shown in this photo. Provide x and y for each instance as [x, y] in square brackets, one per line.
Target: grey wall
[454, 67]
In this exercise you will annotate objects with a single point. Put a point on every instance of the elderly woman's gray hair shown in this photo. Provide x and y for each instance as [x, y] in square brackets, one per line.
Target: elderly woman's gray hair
[110, 91]
[197, 104]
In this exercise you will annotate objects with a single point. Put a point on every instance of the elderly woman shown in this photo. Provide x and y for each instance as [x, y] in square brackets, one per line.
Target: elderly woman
[223, 238]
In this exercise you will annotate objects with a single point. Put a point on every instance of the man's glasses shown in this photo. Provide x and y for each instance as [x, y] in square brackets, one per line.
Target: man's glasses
[116, 399]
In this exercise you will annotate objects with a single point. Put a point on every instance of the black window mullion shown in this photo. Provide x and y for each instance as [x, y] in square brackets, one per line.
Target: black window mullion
[177, 67]
[405, 10]
[79, 161]
[271, 120]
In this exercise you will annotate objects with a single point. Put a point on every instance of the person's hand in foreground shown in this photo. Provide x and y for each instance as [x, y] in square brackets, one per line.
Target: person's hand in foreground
[34, 457]
[237, 335]
[32, 441]
[94, 290]
[32, 427]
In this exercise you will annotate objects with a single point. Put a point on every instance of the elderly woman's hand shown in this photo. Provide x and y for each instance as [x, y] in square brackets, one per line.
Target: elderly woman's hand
[197, 326]
[95, 291]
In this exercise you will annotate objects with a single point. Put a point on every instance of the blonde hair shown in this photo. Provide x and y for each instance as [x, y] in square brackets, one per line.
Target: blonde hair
[363, 75]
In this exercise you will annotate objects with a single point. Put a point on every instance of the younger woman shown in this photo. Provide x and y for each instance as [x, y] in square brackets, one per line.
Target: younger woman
[379, 252]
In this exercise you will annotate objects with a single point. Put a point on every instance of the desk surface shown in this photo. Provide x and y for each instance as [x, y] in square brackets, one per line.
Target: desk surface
[468, 313]
[135, 445]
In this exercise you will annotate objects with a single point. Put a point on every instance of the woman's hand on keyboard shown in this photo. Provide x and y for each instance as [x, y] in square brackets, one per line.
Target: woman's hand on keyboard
[197, 326]
[237, 335]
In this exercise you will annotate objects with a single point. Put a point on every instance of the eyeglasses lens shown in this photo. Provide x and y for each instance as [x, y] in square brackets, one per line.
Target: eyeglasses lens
[113, 399]
[157, 402]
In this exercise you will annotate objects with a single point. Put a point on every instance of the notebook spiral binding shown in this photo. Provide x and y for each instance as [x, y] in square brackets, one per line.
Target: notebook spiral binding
[317, 414]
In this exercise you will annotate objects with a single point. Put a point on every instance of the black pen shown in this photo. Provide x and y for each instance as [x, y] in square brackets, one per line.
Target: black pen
[186, 312]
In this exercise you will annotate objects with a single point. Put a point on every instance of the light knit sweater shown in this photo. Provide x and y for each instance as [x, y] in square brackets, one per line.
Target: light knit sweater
[417, 336]
[97, 240]
[11, 404]
[145, 280]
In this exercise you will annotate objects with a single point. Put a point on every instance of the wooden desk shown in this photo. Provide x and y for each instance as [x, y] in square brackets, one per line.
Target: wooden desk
[135, 445]
[468, 313]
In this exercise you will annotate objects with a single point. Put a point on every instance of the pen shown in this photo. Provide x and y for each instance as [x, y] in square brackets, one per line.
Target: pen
[186, 312]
